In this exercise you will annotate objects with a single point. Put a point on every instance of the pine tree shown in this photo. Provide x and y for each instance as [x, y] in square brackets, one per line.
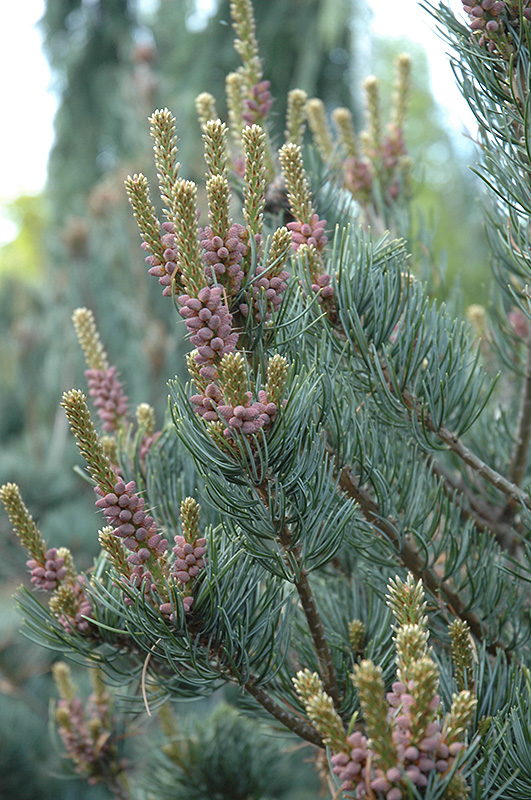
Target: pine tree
[334, 519]
[88, 46]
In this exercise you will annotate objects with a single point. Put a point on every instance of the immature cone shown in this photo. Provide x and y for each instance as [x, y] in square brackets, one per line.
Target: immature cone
[401, 90]
[234, 90]
[345, 129]
[186, 233]
[372, 138]
[307, 230]
[316, 115]
[369, 683]
[487, 19]
[407, 602]
[109, 397]
[144, 212]
[49, 573]
[89, 339]
[160, 244]
[411, 644]
[165, 268]
[104, 387]
[358, 176]
[124, 510]
[356, 634]
[270, 280]
[162, 132]
[309, 233]
[85, 728]
[254, 145]
[350, 766]
[295, 116]
[115, 551]
[461, 712]
[189, 552]
[189, 561]
[47, 566]
[320, 708]
[205, 106]
[267, 291]
[245, 44]
[277, 373]
[462, 654]
[248, 416]
[223, 255]
[311, 263]
[237, 408]
[210, 324]
[297, 184]
[406, 743]
[258, 104]
[215, 142]
[72, 606]
[145, 417]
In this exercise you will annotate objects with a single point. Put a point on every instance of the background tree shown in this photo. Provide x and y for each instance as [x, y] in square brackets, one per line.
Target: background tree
[89, 48]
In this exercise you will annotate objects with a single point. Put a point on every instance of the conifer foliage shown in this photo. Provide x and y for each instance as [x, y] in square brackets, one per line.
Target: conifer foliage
[335, 516]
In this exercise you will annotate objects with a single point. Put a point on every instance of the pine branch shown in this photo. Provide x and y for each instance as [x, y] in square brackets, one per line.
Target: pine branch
[311, 612]
[466, 455]
[290, 721]
[412, 560]
[484, 515]
[319, 639]
[523, 437]
[450, 439]
[454, 443]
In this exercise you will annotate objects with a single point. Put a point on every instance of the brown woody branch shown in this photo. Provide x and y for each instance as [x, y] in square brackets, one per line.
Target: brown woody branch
[484, 515]
[293, 723]
[411, 559]
[452, 441]
[311, 612]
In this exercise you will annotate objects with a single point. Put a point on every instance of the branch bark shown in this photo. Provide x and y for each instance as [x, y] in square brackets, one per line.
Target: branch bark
[311, 612]
[452, 441]
[412, 560]
[484, 515]
[290, 721]
[523, 435]
[319, 639]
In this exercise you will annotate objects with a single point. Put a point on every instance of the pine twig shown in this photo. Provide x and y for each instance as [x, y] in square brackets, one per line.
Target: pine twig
[489, 474]
[290, 721]
[522, 441]
[319, 639]
[412, 560]
[484, 515]
[311, 612]
[454, 443]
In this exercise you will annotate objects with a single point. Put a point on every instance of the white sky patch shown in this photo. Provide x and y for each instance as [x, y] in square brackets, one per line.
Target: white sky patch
[407, 19]
[28, 106]
[198, 20]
